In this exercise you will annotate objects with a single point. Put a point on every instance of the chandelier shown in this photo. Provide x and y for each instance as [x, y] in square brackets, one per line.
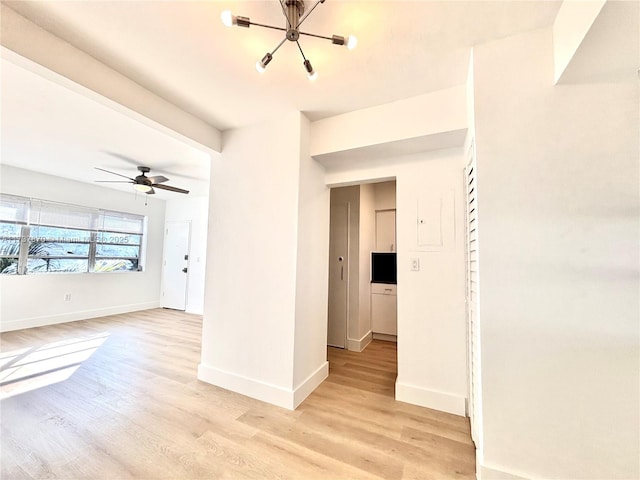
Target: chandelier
[294, 13]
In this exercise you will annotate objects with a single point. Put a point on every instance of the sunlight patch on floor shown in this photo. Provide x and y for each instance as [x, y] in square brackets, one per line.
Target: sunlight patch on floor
[31, 368]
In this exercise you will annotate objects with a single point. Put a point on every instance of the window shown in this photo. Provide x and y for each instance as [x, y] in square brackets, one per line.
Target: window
[37, 236]
[118, 242]
[14, 213]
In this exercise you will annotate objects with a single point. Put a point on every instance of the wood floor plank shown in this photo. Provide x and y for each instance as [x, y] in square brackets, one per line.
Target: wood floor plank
[303, 462]
[132, 407]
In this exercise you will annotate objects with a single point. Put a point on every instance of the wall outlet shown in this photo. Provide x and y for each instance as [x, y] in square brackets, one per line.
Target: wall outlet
[67, 297]
[415, 264]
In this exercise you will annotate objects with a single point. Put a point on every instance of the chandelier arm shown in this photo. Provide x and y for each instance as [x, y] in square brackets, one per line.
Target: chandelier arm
[268, 26]
[314, 35]
[301, 52]
[284, 12]
[279, 45]
[309, 12]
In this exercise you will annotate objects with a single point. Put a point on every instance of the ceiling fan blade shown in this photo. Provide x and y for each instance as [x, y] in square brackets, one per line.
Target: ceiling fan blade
[158, 179]
[114, 173]
[111, 181]
[129, 160]
[185, 176]
[162, 167]
[171, 189]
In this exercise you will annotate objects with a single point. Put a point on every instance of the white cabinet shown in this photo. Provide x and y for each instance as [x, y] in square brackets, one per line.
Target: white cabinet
[385, 230]
[383, 309]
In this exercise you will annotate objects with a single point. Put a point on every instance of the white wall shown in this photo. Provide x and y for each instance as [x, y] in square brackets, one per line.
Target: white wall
[312, 274]
[35, 300]
[252, 305]
[559, 234]
[431, 303]
[194, 210]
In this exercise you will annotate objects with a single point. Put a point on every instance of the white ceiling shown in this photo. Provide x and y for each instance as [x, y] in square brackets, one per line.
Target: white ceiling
[181, 51]
[49, 128]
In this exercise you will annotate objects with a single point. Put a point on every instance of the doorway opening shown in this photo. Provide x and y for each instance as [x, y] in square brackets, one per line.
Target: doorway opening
[362, 304]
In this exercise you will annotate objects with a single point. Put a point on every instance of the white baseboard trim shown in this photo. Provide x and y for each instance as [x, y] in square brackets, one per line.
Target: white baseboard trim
[250, 387]
[359, 345]
[194, 311]
[486, 473]
[263, 391]
[303, 390]
[74, 316]
[385, 337]
[479, 459]
[444, 402]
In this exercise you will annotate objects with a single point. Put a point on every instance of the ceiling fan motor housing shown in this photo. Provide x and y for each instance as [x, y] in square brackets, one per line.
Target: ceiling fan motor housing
[142, 179]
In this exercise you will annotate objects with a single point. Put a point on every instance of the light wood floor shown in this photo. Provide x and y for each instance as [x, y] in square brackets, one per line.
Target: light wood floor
[132, 407]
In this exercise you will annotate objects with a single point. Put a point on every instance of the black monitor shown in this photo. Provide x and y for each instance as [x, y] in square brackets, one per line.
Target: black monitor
[383, 267]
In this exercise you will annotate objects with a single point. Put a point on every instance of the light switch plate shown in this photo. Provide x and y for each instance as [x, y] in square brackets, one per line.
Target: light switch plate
[415, 264]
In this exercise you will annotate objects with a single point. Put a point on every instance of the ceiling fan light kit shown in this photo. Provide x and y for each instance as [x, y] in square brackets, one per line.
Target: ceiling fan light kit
[142, 188]
[293, 11]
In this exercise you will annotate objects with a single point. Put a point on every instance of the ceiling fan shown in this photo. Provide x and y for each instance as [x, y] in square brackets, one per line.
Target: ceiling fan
[142, 183]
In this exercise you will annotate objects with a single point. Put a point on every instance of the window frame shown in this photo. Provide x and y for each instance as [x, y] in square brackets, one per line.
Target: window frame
[98, 217]
[16, 238]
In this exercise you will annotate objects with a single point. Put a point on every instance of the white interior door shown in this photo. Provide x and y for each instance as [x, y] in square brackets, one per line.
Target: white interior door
[338, 276]
[385, 230]
[175, 271]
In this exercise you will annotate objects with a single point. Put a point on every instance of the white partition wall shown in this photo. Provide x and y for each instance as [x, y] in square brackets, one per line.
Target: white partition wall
[266, 285]
[559, 222]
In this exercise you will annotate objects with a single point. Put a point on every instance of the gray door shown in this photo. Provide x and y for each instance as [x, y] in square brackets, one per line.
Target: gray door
[338, 276]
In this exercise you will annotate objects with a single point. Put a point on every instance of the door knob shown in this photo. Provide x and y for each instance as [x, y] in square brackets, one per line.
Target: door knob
[184, 270]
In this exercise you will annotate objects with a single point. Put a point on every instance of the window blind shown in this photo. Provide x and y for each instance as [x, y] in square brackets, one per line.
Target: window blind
[14, 209]
[119, 222]
[52, 214]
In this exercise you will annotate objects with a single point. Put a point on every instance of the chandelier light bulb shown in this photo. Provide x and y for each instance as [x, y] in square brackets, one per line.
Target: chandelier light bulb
[228, 20]
[261, 65]
[352, 42]
[311, 73]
